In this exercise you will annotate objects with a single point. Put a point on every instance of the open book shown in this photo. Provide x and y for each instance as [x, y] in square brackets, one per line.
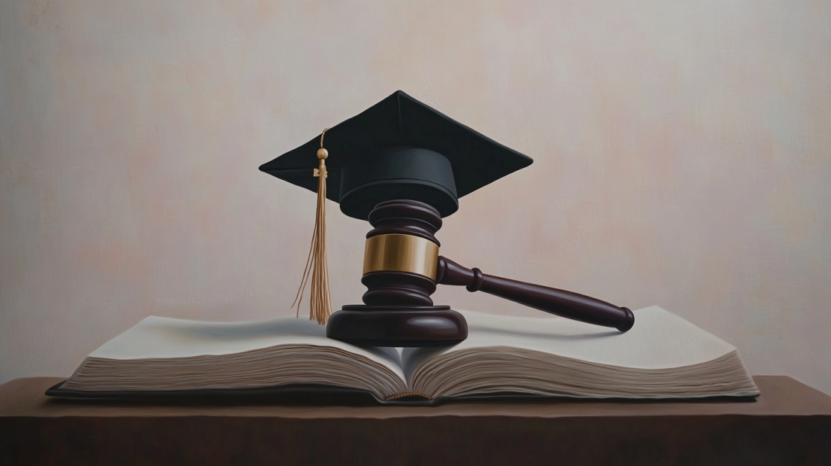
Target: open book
[663, 356]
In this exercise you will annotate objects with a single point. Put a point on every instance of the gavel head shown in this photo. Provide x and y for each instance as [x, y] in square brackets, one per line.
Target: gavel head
[401, 250]
[401, 254]
[399, 272]
[403, 166]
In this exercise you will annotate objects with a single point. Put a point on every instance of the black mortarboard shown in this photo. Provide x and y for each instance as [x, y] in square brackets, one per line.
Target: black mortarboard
[399, 149]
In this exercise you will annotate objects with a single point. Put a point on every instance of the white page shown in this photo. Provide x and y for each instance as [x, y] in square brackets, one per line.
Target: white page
[163, 337]
[658, 340]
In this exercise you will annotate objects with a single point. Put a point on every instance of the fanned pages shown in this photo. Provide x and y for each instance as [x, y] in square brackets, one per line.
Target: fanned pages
[171, 354]
[663, 356]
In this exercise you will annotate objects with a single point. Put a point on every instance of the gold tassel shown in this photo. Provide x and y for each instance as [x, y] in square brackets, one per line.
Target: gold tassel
[320, 301]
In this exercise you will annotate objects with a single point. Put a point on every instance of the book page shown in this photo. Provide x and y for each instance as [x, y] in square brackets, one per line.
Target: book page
[163, 337]
[658, 340]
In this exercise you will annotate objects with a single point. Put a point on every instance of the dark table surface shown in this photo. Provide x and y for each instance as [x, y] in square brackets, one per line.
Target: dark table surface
[789, 423]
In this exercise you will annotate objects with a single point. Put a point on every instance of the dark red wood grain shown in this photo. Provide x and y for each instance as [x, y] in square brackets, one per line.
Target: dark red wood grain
[397, 309]
[560, 302]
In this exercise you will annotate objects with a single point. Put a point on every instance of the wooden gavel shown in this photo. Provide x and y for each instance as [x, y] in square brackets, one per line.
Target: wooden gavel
[401, 270]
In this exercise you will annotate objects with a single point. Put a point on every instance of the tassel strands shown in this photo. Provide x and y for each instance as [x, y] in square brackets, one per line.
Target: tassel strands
[320, 301]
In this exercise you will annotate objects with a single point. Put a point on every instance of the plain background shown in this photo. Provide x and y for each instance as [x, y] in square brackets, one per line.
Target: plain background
[682, 158]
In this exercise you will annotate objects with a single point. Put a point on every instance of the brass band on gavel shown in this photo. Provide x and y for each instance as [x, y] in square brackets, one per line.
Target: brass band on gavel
[401, 253]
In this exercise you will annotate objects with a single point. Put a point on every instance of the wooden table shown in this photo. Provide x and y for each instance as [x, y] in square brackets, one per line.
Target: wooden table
[789, 424]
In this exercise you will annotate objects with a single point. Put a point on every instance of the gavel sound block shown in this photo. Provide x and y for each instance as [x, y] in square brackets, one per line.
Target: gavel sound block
[401, 269]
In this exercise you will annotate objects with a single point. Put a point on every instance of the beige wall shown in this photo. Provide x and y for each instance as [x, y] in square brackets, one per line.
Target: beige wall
[682, 158]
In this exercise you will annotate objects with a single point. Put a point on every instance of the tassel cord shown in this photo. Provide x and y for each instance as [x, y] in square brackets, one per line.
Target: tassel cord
[320, 301]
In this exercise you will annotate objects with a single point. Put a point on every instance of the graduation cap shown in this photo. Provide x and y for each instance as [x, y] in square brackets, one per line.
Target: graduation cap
[403, 166]
[399, 148]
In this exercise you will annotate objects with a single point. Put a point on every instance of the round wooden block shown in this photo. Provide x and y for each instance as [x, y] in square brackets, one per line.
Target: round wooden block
[397, 326]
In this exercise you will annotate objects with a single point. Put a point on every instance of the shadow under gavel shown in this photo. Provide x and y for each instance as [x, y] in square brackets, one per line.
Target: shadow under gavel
[560, 302]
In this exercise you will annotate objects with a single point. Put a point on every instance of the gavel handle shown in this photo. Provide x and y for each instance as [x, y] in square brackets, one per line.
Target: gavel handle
[560, 302]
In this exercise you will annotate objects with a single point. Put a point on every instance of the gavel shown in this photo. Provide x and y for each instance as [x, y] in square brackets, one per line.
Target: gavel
[402, 267]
